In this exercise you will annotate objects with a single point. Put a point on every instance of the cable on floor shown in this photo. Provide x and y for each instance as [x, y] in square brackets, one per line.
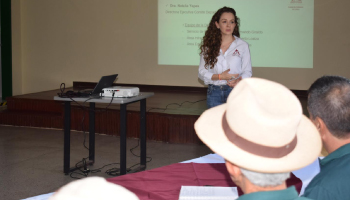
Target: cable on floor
[166, 107]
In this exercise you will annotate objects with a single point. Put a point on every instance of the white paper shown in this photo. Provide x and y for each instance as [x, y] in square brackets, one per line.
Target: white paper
[207, 193]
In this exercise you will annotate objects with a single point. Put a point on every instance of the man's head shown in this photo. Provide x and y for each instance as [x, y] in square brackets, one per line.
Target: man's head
[261, 131]
[329, 100]
[250, 181]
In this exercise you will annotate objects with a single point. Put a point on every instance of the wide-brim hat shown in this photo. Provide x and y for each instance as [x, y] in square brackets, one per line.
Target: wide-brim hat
[92, 188]
[261, 128]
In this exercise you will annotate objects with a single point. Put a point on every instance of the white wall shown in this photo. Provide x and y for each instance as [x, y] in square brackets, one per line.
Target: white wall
[81, 40]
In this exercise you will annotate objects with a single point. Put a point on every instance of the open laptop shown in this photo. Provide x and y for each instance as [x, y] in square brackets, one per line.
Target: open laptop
[105, 82]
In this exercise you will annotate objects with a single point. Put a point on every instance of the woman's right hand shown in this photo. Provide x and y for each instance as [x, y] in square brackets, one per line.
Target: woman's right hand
[225, 75]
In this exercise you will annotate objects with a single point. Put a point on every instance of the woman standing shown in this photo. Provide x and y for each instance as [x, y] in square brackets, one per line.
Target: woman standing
[225, 58]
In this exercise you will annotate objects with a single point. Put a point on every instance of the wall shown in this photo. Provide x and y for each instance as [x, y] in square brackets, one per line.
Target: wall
[16, 48]
[81, 40]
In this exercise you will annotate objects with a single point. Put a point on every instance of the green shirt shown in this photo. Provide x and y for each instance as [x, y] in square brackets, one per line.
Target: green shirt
[287, 194]
[333, 182]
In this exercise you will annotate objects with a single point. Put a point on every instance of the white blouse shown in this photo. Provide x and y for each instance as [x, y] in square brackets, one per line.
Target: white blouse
[236, 58]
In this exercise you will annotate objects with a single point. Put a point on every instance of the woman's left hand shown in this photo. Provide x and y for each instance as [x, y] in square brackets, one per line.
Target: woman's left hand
[233, 83]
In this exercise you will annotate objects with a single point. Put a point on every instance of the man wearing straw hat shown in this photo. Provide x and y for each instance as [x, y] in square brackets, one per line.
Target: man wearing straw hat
[263, 136]
[329, 109]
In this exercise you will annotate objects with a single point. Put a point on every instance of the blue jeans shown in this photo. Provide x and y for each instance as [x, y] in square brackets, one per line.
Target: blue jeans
[217, 94]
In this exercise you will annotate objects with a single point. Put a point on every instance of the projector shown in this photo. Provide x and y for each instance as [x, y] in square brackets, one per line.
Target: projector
[120, 91]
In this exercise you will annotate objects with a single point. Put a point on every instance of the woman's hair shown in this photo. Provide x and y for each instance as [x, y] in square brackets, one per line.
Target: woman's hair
[210, 45]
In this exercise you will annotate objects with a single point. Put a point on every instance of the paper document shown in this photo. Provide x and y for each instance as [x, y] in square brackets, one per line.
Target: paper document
[207, 193]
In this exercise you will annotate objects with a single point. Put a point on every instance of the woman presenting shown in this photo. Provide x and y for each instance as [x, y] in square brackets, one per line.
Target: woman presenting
[224, 57]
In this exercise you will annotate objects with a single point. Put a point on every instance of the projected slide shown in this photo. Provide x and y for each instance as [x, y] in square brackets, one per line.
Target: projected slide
[279, 32]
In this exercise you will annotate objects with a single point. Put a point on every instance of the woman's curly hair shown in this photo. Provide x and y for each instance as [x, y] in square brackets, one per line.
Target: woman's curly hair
[210, 45]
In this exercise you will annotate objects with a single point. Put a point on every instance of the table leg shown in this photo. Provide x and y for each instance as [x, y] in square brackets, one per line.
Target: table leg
[123, 139]
[92, 132]
[67, 123]
[143, 133]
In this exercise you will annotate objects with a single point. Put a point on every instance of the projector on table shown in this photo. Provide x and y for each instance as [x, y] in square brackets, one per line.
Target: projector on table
[120, 91]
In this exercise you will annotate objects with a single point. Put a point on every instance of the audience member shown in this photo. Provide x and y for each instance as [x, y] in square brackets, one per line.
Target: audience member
[93, 188]
[329, 109]
[263, 136]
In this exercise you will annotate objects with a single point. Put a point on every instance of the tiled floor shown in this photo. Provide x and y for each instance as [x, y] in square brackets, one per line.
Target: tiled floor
[32, 159]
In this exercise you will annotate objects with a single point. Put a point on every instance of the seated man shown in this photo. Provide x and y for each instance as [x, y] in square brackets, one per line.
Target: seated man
[263, 136]
[329, 109]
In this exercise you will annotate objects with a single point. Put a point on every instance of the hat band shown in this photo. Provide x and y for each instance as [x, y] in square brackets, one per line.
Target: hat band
[257, 149]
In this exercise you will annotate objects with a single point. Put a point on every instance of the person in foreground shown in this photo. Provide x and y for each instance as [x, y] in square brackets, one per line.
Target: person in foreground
[93, 188]
[224, 57]
[263, 136]
[329, 109]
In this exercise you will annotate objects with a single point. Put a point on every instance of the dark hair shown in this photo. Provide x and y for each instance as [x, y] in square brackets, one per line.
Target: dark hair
[329, 99]
[210, 45]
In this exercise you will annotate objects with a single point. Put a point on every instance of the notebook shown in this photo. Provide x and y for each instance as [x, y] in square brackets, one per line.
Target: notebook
[208, 193]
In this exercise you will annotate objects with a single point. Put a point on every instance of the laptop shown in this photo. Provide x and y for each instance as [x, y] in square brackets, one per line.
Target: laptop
[105, 82]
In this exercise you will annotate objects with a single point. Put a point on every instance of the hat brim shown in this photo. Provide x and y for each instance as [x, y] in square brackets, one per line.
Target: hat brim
[209, 129]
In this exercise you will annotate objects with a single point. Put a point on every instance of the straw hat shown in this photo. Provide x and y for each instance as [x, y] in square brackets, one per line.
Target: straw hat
[261, 128]
[93, 188]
